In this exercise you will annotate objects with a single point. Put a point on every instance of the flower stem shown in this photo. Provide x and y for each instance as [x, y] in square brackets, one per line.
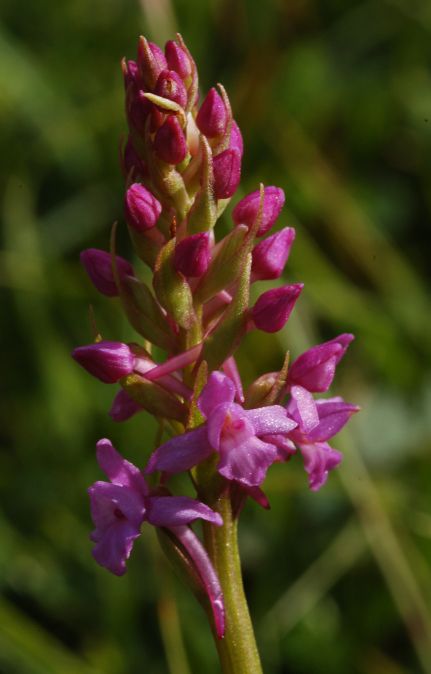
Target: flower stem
[237, 650]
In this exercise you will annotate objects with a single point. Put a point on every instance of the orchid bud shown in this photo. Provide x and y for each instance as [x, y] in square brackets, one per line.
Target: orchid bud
[270, 255]
[98, 265]
[130, 73]
[151, 61]
[212, 116]
[107, 361]
[141, 207]
[123, 407]
[227, 173]
[315, 369]
[170, 85]
[246, 211]
[273, 308]
[132, 164]
[192, 255]
[236, 142]
[170, 143]
[177, 59]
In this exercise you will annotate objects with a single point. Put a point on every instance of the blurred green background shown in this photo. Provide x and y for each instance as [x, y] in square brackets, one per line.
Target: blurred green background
[334, 101]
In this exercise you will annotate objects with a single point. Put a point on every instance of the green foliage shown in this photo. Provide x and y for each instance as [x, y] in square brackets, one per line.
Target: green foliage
[335, 107]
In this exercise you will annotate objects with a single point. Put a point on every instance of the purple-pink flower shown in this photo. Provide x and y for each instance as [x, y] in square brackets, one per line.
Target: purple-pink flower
[318, 456]
[231, 431]
[119, 507]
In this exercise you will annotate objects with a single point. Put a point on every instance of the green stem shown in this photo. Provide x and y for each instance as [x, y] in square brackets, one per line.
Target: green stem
[237, 650]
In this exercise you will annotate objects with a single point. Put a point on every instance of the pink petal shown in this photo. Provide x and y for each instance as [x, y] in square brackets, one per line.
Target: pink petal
[247, 463]
[271, 419]
[173, 511]
[219, 389]
[319, 459]
[306, 408]
[181, 452]
[117, 469]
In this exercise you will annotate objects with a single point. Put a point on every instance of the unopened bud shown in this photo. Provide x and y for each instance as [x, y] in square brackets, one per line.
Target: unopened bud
[151, 61]
[170, 143]
[227, 173]
[271, 254]
[170, 85]
[192, 255]
[273, 308]
[141, 207]
[177, 59]
[98, 265]
[246, 211]
[131, 162]
[123, 407]
[212, 116]
[107, 361]
[130, 73]
[236, 142]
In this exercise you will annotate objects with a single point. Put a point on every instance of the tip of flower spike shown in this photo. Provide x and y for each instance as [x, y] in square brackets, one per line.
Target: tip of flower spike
[273, 308]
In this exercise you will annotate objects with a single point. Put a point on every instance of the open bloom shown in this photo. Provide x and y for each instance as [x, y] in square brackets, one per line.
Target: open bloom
[231, 431]
[119, 507]
[318, 456]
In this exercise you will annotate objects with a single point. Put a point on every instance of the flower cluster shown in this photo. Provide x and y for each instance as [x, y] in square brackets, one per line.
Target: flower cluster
[182, 164]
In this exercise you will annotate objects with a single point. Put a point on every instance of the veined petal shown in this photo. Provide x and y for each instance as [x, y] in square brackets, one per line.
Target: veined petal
[219, 389]
[248, 462]
[117, 469]
[181, 452]
[306, 408]
[173, 511]
[270, 420]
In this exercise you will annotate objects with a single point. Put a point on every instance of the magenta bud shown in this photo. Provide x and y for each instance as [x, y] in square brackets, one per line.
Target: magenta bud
[314, 370]
[151, 61]
[211, 119]
[271, 254]
[170, 143]
[177, 59]
[98, 265]
[236, 142]
[273, 308]
[141, 207]
[170, 85]
[192, 255]
[123, 407]
[131, 162]
[130, 73]
[227, 173]
[246, 211]
[107, 361]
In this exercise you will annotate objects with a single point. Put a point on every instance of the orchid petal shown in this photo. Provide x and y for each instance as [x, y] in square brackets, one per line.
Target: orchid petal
[270, 420]
[333, 415]
[248, 462]
[181, 452]
[319, 459]
[173, 511]
[117, 469]
[306, 407]
[219, 389]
